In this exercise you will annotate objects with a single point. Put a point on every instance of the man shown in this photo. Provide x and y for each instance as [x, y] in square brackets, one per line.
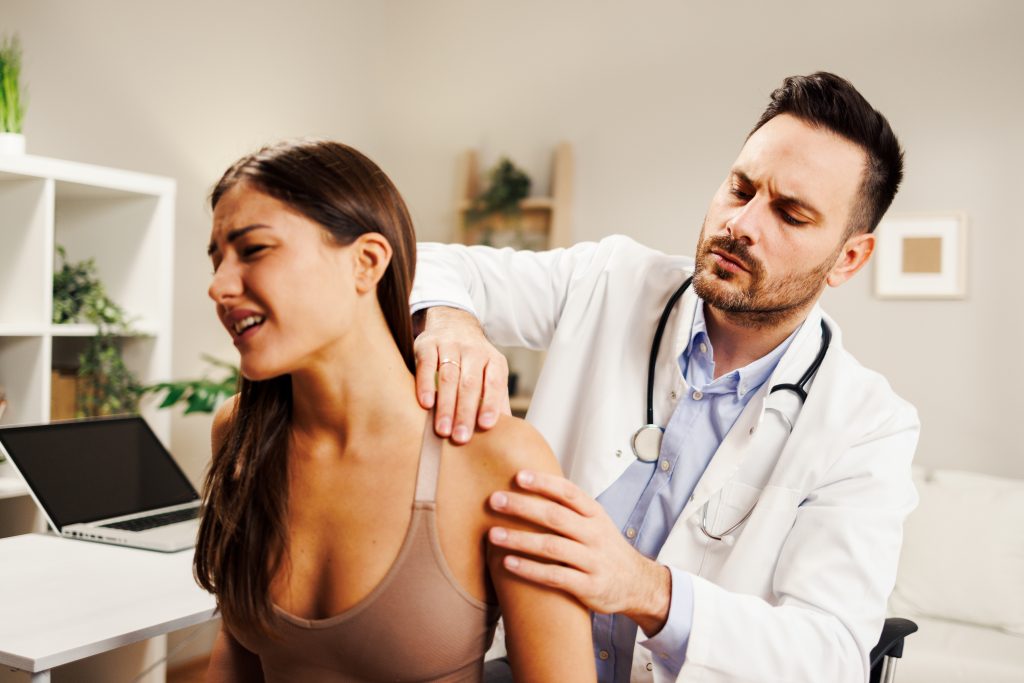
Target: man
[757, 538]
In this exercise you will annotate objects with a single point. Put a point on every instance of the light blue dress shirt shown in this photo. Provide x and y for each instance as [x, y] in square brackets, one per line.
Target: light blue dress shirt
[649, 496]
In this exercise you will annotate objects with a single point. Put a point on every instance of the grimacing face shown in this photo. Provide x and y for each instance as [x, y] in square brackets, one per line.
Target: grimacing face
[776, 230]
[266, 258]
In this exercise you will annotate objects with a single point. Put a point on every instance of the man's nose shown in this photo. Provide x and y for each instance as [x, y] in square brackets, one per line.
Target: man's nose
[748, 221]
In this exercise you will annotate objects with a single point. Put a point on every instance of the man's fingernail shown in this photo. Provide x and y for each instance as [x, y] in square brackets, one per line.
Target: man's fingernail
[444, 426]
[511, 561]
[499, 501]
[498, 534]
[525, 478]
[461, 434]
[488, 419]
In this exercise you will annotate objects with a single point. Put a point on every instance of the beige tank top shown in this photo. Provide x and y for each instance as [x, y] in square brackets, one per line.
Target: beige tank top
[418, 624]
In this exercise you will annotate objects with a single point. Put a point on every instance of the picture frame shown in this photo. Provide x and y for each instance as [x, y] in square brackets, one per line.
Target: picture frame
[921, 256]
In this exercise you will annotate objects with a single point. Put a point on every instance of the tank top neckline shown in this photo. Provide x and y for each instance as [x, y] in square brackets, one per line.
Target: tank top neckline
[424, 501]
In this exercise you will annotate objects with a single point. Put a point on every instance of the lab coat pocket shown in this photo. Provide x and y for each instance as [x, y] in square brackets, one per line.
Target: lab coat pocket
[727, 519]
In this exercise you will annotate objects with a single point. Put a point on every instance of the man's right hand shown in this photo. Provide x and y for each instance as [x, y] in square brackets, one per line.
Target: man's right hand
[461, 372]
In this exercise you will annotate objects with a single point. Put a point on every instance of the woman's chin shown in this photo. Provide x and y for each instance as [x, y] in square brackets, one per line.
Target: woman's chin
[255, 372]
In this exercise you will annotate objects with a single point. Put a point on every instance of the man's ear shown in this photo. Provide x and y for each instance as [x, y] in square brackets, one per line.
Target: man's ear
[855, 254]
[371, 253]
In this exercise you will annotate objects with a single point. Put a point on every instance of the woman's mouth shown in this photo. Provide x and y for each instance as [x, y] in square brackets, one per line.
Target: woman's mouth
[245, 328]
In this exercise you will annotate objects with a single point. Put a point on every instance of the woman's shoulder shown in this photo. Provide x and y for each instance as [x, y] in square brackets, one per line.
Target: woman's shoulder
[496, 455]
[222, 420]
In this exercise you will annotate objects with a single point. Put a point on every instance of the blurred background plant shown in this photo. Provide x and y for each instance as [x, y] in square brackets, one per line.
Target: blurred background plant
[12, 97]
[498, 205]
[105, 385]
[202, 395]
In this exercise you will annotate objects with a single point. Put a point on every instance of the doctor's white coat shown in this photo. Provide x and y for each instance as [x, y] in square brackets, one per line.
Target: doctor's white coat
[798, 592]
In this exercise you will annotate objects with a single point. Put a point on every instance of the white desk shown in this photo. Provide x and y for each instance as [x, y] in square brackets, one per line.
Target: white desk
[62, 600]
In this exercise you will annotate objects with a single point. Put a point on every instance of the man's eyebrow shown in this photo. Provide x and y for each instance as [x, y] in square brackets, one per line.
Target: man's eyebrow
[786, 199]
[233, 235]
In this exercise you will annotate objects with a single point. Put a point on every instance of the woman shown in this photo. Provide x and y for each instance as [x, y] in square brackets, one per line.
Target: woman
[320, 535]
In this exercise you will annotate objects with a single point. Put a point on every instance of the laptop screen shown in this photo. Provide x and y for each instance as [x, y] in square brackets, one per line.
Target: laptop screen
[95, 469]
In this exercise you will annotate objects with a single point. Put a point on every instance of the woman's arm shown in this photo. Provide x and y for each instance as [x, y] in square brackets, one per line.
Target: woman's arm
[547, 631]
[232, 663]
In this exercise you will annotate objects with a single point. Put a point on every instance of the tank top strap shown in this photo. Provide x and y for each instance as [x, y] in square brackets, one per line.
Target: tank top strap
[430, 463]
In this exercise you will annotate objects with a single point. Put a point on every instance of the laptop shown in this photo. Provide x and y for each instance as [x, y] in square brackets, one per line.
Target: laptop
[108, 480]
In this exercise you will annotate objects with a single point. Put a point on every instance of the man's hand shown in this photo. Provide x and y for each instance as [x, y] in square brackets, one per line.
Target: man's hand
[587, 555]
[469, 376]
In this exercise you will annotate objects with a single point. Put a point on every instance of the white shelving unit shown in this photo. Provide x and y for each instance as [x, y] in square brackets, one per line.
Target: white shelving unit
[123, 220]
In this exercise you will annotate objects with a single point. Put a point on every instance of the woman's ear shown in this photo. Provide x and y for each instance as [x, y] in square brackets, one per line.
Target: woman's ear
[371, 255]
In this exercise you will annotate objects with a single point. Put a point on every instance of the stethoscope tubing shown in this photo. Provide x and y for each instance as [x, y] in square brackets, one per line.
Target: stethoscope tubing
[800, 389]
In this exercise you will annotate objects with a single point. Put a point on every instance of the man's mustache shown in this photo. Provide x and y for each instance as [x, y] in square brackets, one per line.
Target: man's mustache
[736, 249]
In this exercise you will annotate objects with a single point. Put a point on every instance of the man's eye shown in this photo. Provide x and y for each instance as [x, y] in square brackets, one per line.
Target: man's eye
[790, 219]
[741, 195]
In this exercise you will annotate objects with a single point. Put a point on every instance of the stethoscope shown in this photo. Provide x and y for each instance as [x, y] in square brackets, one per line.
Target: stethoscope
[646, 441]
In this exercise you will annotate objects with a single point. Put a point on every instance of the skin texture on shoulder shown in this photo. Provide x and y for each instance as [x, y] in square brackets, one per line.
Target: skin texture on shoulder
[547, 630]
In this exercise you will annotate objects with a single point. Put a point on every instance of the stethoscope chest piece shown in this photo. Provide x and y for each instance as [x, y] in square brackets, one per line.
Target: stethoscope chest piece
[646, 442]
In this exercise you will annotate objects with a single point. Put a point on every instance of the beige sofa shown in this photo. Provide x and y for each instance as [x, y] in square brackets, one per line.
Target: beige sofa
[961, 578]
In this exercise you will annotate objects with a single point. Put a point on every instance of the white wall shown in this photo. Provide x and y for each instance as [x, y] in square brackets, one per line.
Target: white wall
[656, 98]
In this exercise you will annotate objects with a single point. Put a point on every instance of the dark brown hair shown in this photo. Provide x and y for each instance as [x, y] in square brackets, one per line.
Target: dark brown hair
[242, 532]
[826, 100]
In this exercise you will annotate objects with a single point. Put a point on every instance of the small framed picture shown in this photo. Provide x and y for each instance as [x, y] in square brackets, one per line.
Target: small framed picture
[921, 256]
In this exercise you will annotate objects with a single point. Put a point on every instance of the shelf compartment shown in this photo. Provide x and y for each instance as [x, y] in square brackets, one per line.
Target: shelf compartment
[23, 369]
[133, 263]
[26, 215]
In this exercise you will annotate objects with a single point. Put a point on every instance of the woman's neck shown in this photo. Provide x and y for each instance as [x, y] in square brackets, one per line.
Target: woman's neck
[357, 391]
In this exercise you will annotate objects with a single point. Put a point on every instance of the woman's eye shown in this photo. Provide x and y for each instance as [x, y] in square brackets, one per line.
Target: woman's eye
[250, 251]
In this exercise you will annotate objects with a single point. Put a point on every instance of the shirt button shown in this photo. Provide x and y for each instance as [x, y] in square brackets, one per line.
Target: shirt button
[697, 395]
[603, 654]
[673, 395]
[630, 532]
[665, 465]
[649, 667]
[703, 347]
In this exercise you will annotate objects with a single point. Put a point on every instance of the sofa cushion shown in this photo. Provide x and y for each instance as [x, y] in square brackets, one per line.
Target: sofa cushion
[963, 551]
[950, 652]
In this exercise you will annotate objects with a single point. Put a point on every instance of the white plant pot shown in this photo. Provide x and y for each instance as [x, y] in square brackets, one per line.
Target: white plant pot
[12, 143]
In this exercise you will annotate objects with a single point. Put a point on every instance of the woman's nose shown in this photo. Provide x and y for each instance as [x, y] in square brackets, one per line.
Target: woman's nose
[226, 283]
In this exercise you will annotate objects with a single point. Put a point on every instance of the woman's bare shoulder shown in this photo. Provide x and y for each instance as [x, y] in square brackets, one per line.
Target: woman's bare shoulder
[508, 447]
[222, 420]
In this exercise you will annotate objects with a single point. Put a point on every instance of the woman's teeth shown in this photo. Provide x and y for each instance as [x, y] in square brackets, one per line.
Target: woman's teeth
[244, 324]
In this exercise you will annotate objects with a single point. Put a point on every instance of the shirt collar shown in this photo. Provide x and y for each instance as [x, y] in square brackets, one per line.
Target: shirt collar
[698, 364]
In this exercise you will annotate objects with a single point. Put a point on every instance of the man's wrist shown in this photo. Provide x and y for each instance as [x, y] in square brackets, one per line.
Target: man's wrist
[654, 599]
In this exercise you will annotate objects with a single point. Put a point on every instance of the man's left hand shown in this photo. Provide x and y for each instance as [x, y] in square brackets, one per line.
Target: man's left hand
[586, 555]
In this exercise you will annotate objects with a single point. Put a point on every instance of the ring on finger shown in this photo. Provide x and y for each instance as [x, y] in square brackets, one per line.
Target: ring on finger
[449, 360]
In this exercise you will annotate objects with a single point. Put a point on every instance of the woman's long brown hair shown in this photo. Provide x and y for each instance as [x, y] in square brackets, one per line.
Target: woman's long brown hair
[242, 532]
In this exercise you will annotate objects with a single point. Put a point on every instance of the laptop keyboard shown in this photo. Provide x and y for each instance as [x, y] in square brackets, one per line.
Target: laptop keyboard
[153, 521]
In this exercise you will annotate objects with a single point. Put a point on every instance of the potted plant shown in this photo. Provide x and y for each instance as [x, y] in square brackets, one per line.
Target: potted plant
[203, 395]
[12, 98]
[105, 385]
[497, 207]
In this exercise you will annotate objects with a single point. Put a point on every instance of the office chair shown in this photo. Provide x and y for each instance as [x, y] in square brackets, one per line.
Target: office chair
[889, 649]
[883, 655]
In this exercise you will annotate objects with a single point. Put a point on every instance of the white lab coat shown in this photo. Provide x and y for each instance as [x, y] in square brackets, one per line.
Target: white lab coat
[798, 592]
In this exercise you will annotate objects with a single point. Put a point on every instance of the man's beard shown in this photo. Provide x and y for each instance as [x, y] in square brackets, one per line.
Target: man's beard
[763, 302]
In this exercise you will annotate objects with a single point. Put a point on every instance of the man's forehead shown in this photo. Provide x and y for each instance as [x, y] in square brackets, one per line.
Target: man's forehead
[799, 159]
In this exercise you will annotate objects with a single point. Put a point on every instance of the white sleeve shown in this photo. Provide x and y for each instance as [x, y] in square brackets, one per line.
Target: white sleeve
[833, 577]
[518, 296]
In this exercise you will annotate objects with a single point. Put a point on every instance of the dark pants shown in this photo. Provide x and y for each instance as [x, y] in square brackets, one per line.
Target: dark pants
[498, 671]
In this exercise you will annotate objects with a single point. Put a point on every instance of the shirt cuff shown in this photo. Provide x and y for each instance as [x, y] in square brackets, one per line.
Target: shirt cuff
[421, 305]
[669, 645]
